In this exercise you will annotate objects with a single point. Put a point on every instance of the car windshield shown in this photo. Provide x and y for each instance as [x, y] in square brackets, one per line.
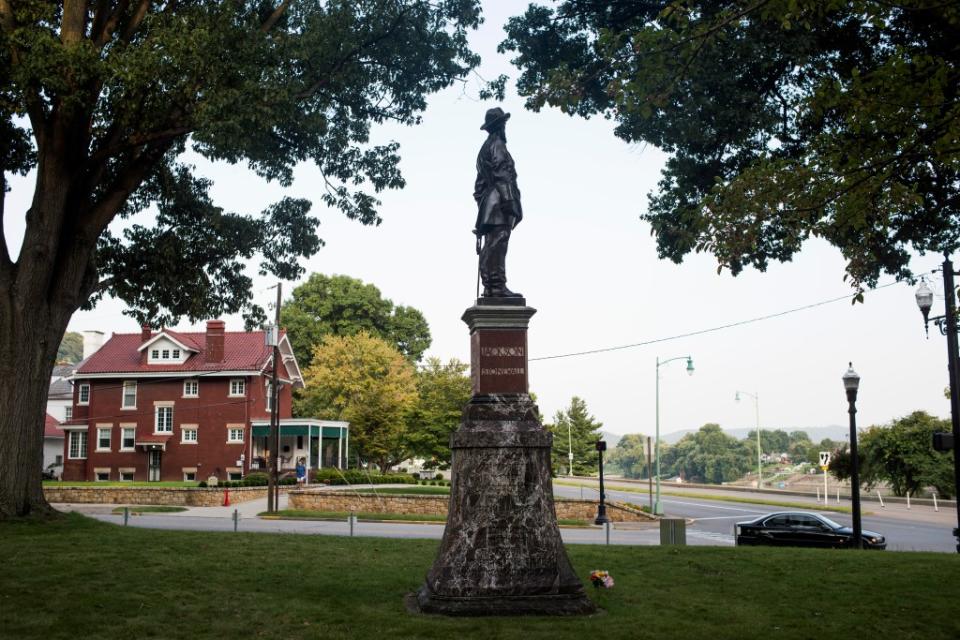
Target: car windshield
[830, 522]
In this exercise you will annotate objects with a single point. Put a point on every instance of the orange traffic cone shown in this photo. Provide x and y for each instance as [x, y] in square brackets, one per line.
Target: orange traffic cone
[226, 497]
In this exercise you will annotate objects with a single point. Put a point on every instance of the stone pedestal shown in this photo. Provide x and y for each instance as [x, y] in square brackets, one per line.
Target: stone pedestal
[501, 552]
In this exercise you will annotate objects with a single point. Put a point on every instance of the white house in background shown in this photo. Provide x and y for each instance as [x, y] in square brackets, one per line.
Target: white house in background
[60, 394]
[53, 445]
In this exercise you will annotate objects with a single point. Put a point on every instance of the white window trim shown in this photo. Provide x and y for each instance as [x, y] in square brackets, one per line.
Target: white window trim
[80, 388]
[123, 398]
[157, 406]
[191, 381]
[184, 428]
[231, 394]
[97, 471]
[81, 445]
[133, 476]
[109, 430]
[68, 413]
[236, 427]
[268, 402]
[125, 427]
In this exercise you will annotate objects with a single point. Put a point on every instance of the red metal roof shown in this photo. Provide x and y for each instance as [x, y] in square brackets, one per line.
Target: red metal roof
[51, 428]
[242, 351]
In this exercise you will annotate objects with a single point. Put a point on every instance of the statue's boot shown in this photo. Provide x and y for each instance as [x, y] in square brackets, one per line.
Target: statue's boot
[500, 292]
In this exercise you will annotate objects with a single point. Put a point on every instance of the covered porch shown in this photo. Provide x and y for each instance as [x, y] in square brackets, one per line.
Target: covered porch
[321, 443]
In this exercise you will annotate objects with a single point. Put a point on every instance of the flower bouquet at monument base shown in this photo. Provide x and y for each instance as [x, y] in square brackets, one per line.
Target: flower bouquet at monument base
[601, 578]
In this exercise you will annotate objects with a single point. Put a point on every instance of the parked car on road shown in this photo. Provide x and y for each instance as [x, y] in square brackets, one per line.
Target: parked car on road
[802, 529]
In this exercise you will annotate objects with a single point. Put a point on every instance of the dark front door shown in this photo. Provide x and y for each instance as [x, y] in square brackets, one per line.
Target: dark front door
[153, 466]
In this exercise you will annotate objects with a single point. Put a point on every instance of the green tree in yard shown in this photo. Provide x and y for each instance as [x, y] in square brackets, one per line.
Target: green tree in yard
[576, 425]
[784, 119]
[71, 348]
[630, 456]
[709, 455]
[442, 392]
[902, 455]
[103, 99]
[342, 306]
[364, 380]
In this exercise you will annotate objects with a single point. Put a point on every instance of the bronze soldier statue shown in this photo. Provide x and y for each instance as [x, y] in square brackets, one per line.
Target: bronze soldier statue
[498, 199]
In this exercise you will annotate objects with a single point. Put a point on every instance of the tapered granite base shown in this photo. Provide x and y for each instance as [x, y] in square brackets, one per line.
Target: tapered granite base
[501, 552]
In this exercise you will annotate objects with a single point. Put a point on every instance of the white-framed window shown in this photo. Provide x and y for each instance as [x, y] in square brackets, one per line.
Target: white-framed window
[78, 445]
[128, 438]
[235, 435]
[269, 396]
[234, 475]
[83, 394]
[189, 475]
[188, 435]
[101, 475]
[191, 388]
[155, 354]
[238, 387]
[163, 422]
[125, 475]
[129, 394]
[103, 438]
[68, 413]
[165, 354]
[176, 354]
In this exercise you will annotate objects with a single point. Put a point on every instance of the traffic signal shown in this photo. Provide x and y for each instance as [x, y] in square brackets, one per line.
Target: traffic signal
[943, 441]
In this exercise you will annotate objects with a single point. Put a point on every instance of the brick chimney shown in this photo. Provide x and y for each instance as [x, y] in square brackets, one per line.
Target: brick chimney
[215, 340]
[145, 334]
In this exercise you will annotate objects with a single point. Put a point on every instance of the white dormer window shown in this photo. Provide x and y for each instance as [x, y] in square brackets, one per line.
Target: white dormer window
[238, 387]
[165, 350]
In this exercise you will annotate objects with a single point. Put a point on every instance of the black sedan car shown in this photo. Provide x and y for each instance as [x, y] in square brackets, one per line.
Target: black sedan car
[800, 529]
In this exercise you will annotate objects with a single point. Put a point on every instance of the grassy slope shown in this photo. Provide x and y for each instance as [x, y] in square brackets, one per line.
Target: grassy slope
[80, 578]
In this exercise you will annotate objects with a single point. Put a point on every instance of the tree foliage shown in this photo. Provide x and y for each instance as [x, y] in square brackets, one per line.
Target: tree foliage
[442, 392]
[575, 426]
[343, 306]
[901, 454]
[71, 348]
[629, 456]
[784, 119]
[102, 99]
[709, 455]
[364, 380]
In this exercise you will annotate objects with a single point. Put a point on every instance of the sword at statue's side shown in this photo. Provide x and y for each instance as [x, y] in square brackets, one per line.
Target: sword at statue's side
[478, 263]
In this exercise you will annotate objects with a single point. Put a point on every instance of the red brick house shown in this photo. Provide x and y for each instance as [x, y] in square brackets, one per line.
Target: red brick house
[168, 405]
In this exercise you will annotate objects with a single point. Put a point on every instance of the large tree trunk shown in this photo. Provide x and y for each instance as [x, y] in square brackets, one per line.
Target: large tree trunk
[38, 294]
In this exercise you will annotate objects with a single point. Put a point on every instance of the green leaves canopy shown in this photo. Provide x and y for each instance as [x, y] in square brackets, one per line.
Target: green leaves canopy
[785, 119]
[575, 425]
[709, 455]
[443, 391]
[343, 306]
[629, 456]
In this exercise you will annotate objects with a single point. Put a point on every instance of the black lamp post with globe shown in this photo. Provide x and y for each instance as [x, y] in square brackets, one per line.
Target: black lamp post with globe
[851, 382]
[602, 509]
[947, 324]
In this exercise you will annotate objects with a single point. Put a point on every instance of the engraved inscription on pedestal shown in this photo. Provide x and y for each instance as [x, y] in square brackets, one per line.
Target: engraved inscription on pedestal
[498, 361]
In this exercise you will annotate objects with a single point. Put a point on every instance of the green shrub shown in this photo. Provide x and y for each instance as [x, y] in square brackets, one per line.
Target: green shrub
[256, 479]
[203, 484]
[439, 476]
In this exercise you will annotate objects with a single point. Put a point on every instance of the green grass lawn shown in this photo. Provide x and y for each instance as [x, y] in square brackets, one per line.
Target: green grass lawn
[78, 578]
[136, 510]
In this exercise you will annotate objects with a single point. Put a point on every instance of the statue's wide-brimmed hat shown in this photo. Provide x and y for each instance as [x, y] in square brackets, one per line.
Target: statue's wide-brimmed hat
[494, 117]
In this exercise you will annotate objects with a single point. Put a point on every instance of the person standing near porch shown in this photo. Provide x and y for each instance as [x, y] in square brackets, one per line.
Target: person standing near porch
[301, 471]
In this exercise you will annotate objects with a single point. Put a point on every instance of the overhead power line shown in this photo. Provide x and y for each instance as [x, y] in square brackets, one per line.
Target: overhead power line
[703, 331]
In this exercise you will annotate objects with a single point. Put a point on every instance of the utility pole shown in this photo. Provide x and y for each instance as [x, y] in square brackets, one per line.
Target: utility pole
[273, 435]
[649, 474]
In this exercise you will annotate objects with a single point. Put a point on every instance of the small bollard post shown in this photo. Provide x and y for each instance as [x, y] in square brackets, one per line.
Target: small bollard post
[935, 507]
[352, 518]
[838, 495]
[880, 498]
[126, 515]
[236, 519]
[818, 494]
[908, 499]
[607, 527]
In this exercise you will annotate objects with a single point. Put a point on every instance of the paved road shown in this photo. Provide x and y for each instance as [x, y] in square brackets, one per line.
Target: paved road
[917, 529]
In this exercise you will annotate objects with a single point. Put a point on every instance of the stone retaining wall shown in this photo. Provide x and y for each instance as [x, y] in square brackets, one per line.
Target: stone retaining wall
[313, 500]
[176, 496]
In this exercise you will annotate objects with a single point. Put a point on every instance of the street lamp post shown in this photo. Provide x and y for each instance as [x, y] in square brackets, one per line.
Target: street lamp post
[948, 326]
[569, 449]
[657, 507]
[756, 406]
[851, 382]
[602, 509]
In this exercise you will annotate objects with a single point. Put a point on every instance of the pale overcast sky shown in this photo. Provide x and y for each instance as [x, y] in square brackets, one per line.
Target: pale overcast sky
[586, 262]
